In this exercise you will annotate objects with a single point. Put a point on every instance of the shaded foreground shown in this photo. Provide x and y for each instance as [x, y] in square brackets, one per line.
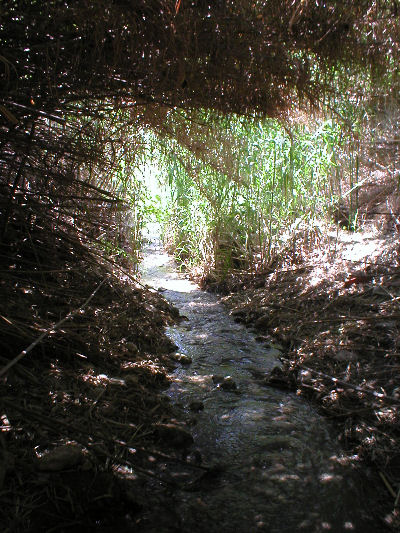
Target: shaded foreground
[80, 413]
[88, 443]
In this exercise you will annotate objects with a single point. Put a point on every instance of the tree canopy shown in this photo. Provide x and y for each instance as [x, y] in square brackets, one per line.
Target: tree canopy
[232, 56]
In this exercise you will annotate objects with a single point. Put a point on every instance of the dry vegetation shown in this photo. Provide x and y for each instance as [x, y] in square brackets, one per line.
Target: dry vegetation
[332, 307]
[81, 81]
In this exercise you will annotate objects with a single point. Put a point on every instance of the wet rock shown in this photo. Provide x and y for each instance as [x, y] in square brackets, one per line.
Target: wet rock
[182, 358]
[61, 458]
[196, 406]
[225, 382]
[281, 379]
[207, 480]
[238, 312]
[173, 435]
[194, 457]
[265, 339]
[228, 384]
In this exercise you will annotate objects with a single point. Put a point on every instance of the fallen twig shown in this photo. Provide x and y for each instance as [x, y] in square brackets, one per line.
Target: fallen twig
[356, 318]
[378, 395]
[388, 485]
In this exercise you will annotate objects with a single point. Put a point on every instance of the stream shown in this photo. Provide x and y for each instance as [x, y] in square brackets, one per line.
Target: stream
[278, 465]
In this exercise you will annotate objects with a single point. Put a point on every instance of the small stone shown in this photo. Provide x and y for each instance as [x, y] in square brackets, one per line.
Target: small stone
[196, 406]
[173, 435]
[228, 384]
[265, 339]
[61, 458]
[194, 458]
[305, 376]
[182, 358]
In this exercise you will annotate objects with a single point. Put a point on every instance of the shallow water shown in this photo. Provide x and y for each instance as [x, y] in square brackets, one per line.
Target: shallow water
[281, 469]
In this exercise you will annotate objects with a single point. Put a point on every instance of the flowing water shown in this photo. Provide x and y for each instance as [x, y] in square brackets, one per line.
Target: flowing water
[279, 467]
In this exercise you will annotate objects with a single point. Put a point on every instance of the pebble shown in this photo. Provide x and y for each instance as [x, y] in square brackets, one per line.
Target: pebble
[224, 382]
[182, 358]
[228, 384]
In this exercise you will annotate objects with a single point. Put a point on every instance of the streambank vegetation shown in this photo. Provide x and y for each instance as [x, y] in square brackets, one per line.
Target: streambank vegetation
[90, 92]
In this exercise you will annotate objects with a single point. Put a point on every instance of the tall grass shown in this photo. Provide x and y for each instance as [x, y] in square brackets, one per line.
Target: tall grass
[235, 215]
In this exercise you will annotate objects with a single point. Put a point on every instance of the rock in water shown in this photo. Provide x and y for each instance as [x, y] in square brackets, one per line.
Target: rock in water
[228, 384]
[173, 435]
[182, 358]
[196, 406]
[225, 383]
[61, 458]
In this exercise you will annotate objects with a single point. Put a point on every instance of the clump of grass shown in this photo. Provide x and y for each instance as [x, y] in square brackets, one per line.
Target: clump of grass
[230, 211]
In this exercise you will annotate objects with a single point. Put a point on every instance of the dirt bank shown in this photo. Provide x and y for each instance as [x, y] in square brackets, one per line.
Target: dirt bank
[334, 312]
[82, 418]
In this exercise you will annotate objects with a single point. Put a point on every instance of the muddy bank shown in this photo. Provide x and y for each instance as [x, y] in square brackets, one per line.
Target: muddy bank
[335, 318]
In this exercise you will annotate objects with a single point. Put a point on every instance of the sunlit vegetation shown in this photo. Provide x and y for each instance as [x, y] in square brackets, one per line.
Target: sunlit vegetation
[232, 208]
[260, 184]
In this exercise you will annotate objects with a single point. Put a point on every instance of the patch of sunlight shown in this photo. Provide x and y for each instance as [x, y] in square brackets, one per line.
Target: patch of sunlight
[203, 305]
[200, 380]
[179, 285]
[344, 460]
[317, 276]
[5, 424]
[360, 245]
[327, 478]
